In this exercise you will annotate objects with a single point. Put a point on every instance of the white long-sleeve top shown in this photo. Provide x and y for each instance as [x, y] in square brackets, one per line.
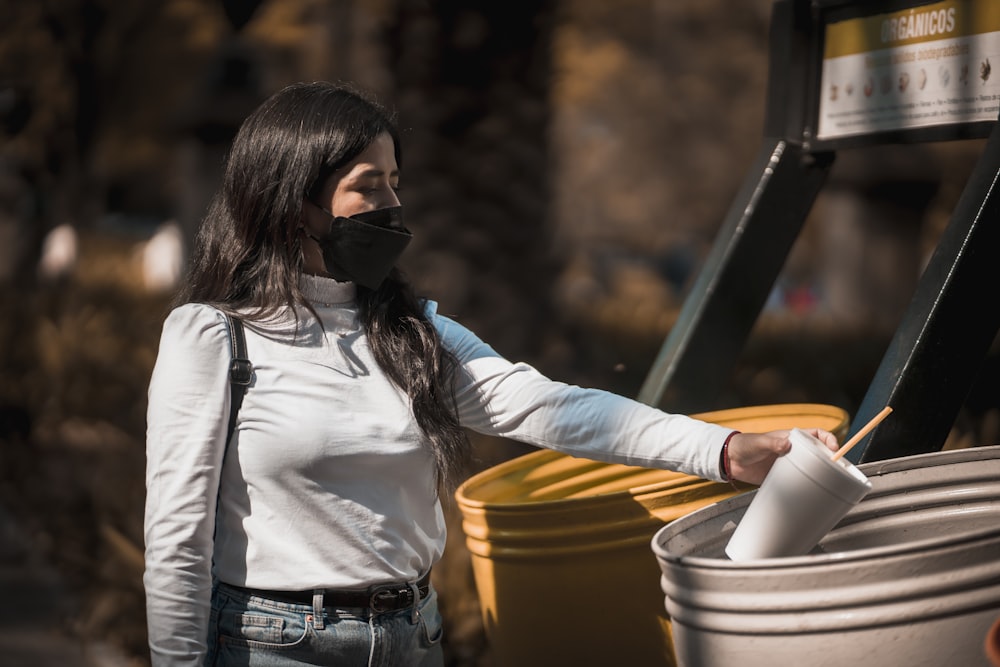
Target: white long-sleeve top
[327, 482]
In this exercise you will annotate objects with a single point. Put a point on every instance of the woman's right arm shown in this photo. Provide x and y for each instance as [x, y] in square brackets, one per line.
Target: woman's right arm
[187, 419]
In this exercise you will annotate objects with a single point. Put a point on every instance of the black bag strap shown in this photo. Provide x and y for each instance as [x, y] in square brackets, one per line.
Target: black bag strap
[240, 370]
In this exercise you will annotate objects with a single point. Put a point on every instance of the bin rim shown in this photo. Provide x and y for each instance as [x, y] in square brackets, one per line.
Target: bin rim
[676, 482]
[872, 469]
[543, 455]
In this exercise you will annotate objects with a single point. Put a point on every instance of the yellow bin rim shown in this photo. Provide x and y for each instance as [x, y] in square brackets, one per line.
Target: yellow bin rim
[548, 477]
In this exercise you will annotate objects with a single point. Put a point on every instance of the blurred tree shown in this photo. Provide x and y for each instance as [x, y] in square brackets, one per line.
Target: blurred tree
[15, 108]
[102, 78]
[225, 92]
[472, 87]
[239, 12]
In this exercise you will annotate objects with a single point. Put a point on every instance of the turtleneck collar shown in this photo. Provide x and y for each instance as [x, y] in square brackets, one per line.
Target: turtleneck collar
[326, 291]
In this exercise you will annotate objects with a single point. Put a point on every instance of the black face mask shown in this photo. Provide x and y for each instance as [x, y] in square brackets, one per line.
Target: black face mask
[363, 248]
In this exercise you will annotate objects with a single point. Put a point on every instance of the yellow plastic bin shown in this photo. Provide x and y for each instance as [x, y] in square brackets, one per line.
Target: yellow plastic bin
[560, 547]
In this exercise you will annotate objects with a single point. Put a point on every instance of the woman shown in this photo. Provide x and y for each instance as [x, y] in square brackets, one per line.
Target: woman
[310, 536]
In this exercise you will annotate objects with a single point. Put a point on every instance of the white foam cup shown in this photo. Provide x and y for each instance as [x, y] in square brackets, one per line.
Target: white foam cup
[803, 497]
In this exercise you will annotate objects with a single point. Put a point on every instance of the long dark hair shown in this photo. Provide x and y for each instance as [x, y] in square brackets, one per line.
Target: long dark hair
[247, 255]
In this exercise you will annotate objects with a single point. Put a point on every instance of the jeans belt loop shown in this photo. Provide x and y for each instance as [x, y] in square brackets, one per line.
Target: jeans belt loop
[318, 622]
[414, 610]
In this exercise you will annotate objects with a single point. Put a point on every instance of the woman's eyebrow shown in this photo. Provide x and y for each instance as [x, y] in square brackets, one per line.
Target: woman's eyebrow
[373, 172]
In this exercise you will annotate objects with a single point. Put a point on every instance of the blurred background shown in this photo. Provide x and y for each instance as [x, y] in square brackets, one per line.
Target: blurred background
[567, 165]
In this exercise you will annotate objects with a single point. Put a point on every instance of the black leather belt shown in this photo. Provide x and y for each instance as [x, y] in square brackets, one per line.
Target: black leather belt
[380, 598]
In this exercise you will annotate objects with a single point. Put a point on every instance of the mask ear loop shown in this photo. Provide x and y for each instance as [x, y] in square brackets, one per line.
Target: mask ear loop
[308, 216]
[303, 232]
[303, 221]
[310, 236]
[306, 200]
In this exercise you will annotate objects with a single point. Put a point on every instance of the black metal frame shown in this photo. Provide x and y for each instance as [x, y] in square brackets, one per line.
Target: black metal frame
[943, 337]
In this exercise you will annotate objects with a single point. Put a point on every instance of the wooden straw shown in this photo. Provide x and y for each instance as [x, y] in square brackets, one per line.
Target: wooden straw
[863, 432]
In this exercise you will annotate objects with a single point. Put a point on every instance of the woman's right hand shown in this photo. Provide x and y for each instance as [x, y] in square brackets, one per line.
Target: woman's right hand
[751, 455]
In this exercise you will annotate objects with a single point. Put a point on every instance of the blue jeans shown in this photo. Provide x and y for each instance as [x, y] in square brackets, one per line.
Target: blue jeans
[248, 631]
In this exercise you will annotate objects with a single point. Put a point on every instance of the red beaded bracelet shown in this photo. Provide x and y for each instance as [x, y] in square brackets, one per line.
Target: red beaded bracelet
[725, 463]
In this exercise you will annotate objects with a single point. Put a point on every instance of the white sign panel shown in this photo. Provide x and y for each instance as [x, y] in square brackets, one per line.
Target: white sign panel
[931, 65]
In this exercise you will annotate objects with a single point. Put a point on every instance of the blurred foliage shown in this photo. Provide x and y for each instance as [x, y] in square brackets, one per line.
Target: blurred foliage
[72, 444]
